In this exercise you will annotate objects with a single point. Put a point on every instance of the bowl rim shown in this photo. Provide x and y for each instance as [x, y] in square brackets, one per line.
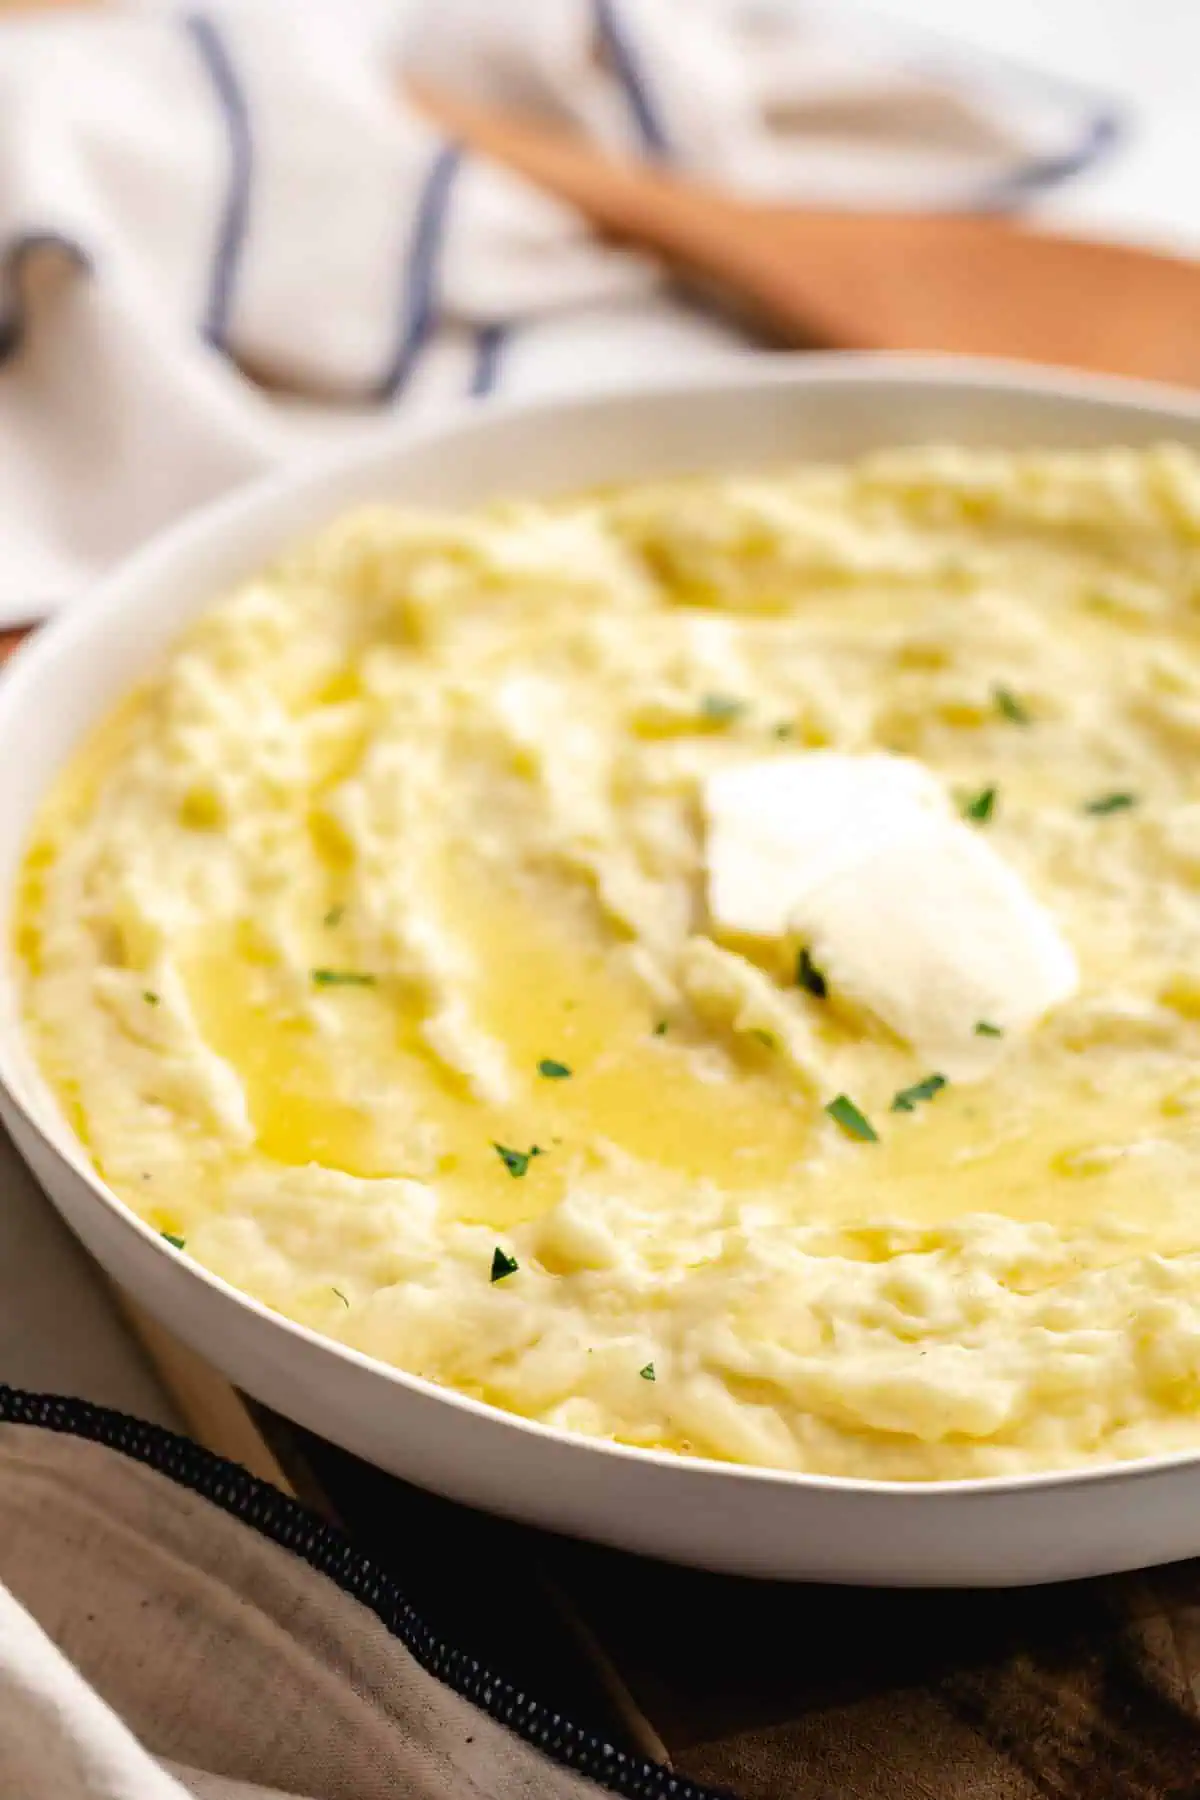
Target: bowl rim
[34, 664]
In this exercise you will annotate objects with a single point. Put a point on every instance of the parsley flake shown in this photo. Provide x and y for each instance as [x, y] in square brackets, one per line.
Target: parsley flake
[908, 1099]
[178, 1242]
[647, 1374]
[980, 806]
[1110, 803]
[660, 1030]
[1009, 707]
[149, 996]
[854, 1123]
[985, 1028]
[342, 978]
[341, 1297]
[721, 709]
[784, 729]
[808, 975]
[767, 1039]
[516, 1161]
[503, 1265]
[333, 917]
[553, 1071]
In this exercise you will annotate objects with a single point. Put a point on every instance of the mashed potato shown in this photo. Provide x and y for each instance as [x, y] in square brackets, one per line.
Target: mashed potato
[368, 950]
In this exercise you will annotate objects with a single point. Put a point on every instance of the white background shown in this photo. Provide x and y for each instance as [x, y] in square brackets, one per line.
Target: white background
[1146, 53]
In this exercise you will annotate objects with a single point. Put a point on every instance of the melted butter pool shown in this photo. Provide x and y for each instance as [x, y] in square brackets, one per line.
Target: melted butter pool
[546, 990]
[543, 999]
[460, 757]
[1046, 1139]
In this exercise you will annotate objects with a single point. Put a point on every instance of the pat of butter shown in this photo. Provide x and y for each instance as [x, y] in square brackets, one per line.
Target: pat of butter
[909, 912]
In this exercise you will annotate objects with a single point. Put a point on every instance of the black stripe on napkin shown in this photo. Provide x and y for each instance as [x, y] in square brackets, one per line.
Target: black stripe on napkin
[324, 1547]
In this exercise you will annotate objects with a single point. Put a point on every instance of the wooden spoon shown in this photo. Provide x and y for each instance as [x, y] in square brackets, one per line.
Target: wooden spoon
[874, 281]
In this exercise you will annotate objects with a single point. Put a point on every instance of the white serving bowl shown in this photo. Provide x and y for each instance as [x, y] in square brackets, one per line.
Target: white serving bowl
[716, 1515]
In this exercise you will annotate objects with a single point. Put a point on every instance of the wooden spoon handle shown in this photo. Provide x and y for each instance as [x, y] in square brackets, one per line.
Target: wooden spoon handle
[979, 286]
[685, 221]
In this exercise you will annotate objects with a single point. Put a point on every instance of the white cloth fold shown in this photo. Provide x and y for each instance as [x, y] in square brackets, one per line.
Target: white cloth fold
[225, 241]
[152, 1647]
[782, 98]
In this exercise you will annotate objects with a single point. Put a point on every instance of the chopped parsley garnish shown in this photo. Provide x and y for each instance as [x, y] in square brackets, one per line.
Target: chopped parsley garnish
[149, 996]
[854, 1123]
[333, 917]
[809, 976]
[502, 1265]
[1110, 803]
[553, 1071]
[908, 1099]
[341, 1297]
[985, 1028]
[1009, 707]
[721, 709]
[980, 806]
[784, 728]
[178, 1242]
[516, 1161]
[660, 1030]
[767, 1039]
[342, 978]
[647, 1374]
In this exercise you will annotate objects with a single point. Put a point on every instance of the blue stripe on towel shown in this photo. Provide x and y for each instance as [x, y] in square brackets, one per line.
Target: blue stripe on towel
[14, 254]
[1102, 135]
[490, 343]
[616, 44]
[235, 211]
[946, 58]
[419, 310]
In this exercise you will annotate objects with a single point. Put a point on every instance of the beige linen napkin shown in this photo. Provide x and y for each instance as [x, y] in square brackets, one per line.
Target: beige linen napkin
[154, 1644]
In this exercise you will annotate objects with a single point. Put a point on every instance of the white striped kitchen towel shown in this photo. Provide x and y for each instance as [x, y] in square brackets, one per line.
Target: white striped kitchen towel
[225, 242]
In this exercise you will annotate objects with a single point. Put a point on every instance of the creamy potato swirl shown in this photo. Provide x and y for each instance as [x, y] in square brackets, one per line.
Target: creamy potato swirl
[367, 950]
